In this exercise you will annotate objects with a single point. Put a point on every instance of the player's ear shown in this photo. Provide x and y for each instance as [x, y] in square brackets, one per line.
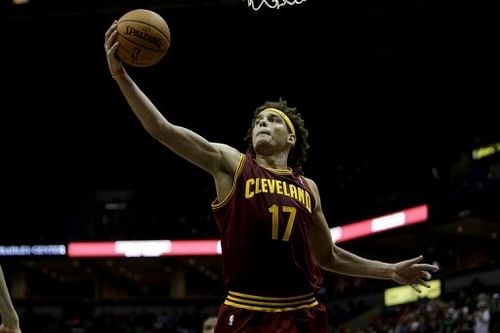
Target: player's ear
[292, 139]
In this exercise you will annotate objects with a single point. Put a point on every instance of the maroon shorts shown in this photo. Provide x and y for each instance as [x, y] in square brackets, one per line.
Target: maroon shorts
[235, 320]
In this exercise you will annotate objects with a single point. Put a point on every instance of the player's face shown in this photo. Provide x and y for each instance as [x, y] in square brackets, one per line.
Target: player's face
[270, 132]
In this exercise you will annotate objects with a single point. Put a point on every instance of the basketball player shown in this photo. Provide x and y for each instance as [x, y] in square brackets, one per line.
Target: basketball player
[273, 231]
[10, 319]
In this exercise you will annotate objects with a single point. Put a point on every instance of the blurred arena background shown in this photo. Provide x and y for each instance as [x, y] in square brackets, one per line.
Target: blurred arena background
[396, 95]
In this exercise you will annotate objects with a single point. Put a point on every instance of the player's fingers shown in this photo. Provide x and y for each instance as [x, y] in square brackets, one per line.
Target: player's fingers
[425, 275]
[109, 35]
[111, 28]
[423, 283]
[112, 49]
[427, 267]
[111, 39]
[416, 287]
[413, 261]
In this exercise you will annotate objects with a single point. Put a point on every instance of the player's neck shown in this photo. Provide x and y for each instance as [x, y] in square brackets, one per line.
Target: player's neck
[276, 161]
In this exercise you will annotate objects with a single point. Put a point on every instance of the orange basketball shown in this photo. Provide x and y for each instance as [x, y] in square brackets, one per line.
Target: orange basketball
[143, 37]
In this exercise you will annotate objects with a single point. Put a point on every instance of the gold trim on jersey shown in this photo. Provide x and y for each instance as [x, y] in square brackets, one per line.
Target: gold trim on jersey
[270, 304]
[217, 205]
[287, 171]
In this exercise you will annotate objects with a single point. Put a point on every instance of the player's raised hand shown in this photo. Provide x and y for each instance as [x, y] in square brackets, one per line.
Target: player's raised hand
[110, 46]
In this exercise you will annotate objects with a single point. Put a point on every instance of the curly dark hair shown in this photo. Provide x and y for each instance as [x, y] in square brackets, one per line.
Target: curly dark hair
[298, 153]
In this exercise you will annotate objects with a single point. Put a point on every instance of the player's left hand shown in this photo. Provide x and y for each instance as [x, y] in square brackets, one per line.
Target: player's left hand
[411, 272]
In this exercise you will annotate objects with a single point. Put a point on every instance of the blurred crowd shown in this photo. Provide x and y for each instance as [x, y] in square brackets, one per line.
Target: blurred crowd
[475, 309]
[472, 310]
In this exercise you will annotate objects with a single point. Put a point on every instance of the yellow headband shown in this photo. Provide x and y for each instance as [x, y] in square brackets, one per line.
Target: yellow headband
[284, 117]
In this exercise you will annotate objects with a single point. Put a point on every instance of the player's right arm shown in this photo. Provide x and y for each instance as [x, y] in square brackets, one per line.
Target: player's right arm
[338, 260]
[218, 159]
[10, 319]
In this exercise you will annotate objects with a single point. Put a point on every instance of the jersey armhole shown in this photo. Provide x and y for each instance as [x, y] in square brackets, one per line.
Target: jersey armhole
[215, 203]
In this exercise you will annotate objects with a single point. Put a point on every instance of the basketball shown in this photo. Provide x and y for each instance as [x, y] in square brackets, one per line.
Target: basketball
[143, 37]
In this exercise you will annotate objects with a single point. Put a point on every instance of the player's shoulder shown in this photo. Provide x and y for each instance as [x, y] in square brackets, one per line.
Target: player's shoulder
[313, 188]
[228, 150]
[225, 146]
[311, 183]
[231, 157]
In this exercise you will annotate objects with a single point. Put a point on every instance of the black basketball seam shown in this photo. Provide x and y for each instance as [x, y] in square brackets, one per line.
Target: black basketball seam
[142, 46]
[149, 25]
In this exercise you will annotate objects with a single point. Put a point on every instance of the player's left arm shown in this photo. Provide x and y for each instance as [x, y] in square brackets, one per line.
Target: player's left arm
[335, 259]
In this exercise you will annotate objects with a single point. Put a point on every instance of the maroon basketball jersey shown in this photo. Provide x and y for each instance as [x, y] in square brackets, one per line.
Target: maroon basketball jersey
[266, 224]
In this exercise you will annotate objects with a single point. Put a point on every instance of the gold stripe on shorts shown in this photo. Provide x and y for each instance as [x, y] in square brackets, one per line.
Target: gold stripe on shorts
[270, 304]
